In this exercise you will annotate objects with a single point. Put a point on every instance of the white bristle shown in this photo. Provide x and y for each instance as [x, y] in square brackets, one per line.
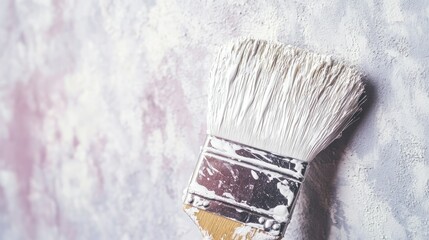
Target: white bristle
[280, 98]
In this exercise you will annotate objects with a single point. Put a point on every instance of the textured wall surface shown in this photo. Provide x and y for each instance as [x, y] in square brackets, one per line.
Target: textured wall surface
[102, 113]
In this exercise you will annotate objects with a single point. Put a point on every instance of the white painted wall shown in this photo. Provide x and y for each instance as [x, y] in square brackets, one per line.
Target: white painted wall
[102, 112]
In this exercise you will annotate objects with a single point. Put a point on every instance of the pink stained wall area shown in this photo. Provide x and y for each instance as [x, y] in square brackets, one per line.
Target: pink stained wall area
[103, 112]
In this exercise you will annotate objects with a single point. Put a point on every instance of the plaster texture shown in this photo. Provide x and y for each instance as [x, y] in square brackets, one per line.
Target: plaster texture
[103, 104]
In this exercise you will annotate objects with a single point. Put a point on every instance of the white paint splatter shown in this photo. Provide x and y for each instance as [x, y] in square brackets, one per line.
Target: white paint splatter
[254, 175]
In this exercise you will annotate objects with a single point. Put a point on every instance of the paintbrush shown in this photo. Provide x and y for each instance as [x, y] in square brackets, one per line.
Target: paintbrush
[272, 108]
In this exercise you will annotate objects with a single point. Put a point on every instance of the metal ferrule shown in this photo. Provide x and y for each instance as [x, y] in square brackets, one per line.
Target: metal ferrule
[249, 185]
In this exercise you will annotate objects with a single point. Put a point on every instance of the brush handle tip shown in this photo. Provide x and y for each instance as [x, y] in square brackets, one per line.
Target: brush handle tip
[216, 227]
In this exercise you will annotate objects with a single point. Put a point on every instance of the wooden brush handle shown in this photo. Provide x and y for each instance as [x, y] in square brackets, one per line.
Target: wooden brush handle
[216, 227]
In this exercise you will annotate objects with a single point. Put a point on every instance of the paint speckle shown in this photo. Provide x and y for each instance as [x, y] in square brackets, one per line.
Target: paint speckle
[254, 175]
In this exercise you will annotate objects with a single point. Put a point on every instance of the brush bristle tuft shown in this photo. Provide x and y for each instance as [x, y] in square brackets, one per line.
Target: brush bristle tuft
[280, 98]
